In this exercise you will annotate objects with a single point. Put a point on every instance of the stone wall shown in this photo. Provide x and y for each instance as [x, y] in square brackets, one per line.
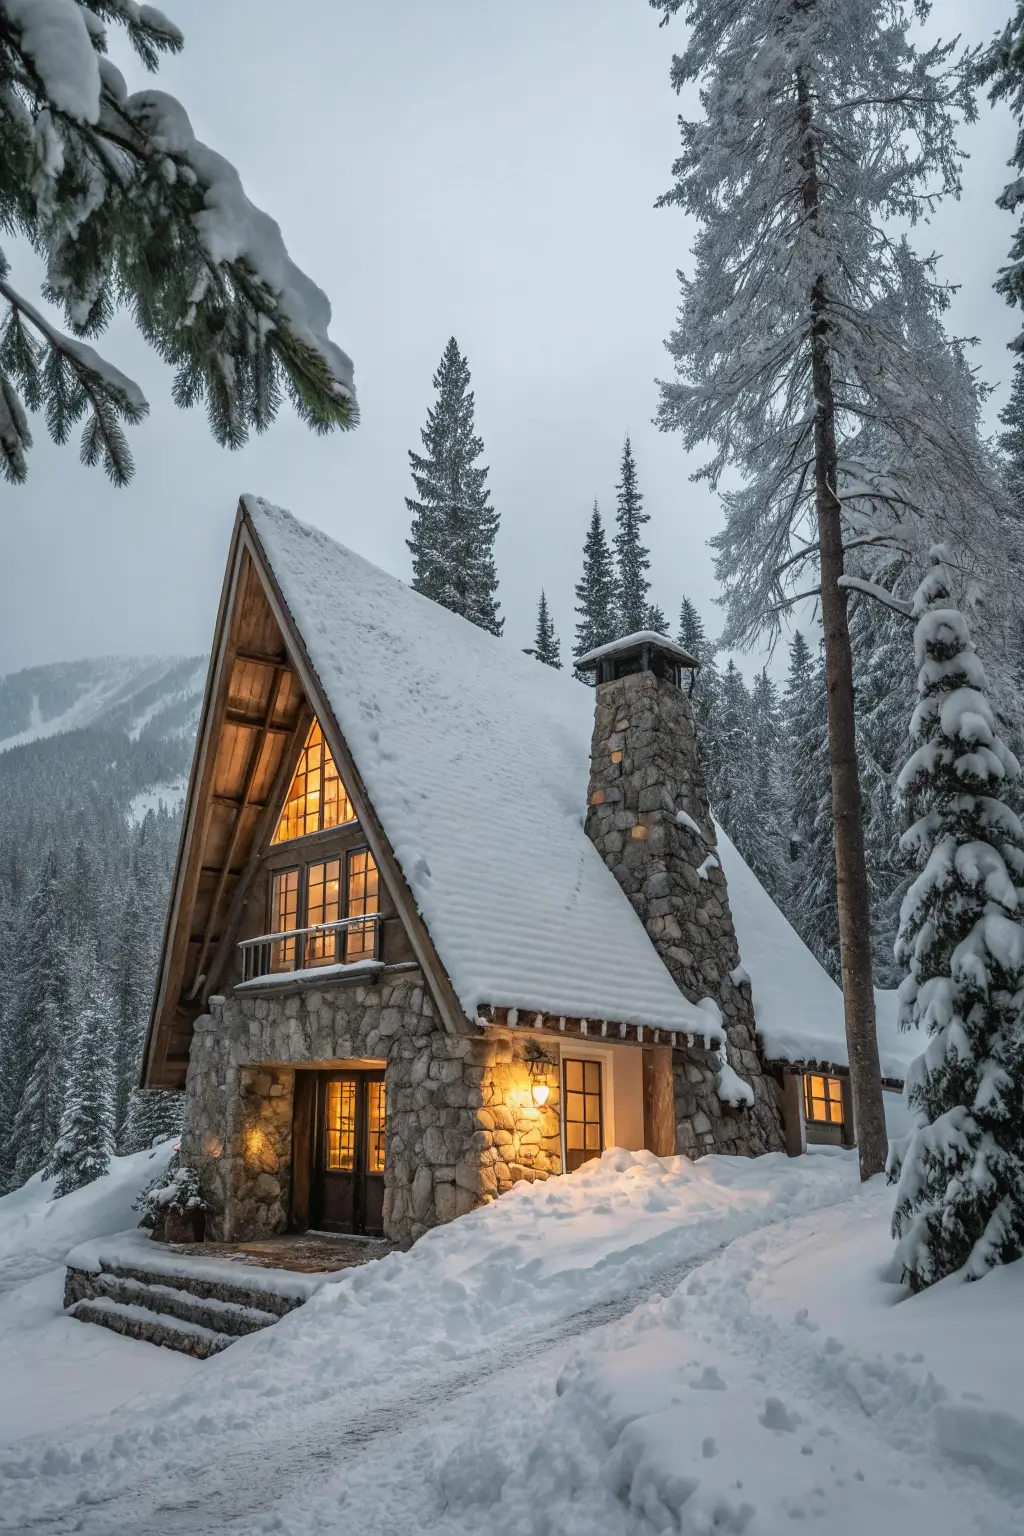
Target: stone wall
[462, 1126]
[648, 816]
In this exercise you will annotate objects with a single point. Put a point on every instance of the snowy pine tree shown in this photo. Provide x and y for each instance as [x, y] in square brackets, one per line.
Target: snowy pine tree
[729, 788]
[1011, 439]
[595, 593]
[655, 620]
[43, 1013]
[546, 647]
[707, 686]
[960, 1195]
[810, 900]
[1003, 65]
[125, 207]
[453, 525]
[85, 1142]
[632, 559]
[765, 849]
[153, 1115]
[820, 125]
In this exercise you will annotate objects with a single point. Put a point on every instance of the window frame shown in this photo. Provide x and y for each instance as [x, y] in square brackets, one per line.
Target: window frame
[322, 857]
[343, 794]
[832, 1102]
[603, 1090]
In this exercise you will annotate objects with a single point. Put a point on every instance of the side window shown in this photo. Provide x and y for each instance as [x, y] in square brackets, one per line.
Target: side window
[823, 1099]
[362, 901]
[284, 918]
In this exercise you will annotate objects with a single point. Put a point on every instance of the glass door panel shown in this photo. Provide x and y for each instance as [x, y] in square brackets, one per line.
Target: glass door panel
[323, 905]
[284, 917]
[584, 1112]
[363, 901]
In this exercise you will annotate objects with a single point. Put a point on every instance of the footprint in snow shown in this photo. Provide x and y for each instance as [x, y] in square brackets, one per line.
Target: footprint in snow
[708, 1381]
[777, 1416]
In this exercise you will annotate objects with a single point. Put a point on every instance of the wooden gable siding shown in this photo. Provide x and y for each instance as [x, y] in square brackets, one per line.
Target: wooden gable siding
[261, 696]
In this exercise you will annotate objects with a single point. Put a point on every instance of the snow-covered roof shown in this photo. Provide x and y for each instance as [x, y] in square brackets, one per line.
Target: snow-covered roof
[633, 643]
[476, 760]
[797, 1005]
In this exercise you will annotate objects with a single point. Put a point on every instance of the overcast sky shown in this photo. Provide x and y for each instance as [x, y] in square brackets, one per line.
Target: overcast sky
[465, 168]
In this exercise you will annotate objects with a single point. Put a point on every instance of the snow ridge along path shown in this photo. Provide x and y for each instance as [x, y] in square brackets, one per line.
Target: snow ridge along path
[467, 1297]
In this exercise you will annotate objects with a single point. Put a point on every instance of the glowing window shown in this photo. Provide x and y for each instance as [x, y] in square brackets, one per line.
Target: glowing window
[583, 1113]
[363, 901]
[340, 1115]
[823, 1099]
[323, 905]
[284, 918]
[375, 1127]
[317, 797]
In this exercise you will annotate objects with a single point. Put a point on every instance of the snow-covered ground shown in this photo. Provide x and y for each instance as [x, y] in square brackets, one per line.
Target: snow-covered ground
[54, 1371]
[645, 1346]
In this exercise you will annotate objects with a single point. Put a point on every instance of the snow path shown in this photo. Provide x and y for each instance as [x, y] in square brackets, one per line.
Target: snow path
[241, 1494]
[647, 1346]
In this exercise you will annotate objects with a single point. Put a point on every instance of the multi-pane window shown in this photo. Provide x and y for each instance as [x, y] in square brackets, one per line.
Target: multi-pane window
[375, 1115]
[340, 1115]
[284, 918]
[317, 797]
[318, 896]
[823, 1099]
[323, 905]
[363, 901]
[583, 1112]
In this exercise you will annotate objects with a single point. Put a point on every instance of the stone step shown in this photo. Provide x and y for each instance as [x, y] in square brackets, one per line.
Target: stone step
[136, 1322]
[224, 1288]
[231, 1317]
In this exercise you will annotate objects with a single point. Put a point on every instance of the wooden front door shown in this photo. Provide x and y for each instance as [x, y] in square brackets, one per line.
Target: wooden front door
[348, 1153]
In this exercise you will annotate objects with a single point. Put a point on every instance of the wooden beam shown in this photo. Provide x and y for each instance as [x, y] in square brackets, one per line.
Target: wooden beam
[261, 836]
[280, 673]
[233, 802]
[259, 660]
[255, 722]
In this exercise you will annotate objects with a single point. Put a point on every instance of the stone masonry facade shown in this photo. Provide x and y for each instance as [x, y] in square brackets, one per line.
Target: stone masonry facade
[462, 1126]
[649, 817]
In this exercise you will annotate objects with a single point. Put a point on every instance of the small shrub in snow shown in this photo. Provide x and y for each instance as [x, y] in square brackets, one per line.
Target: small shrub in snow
[175, 1192]
[960, 1172]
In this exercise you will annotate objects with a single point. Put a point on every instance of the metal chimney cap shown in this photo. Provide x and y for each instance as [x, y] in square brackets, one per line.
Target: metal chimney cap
[632, 647]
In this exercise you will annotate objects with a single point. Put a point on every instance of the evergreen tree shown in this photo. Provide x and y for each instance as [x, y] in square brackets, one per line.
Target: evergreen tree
[811, 899]
[960, 1195]
[706, 690]
[43, 1015]
[546, 647]
[884, 681]
[134, 964]
[453, 524]
[1011, 439]
[1003, 65]
[729, 789]
[764, 837]
[85, 1143]
[655, 620]
[153, 1115]
[114, 195]
[820, 123]
[632, 559]
[595, 592]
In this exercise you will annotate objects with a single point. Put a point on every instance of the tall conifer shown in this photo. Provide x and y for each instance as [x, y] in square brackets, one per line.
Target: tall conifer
[632, 559]
[1011, 439]
[706, 689]
[960, 1200]
[453, 524]
[595, 592]
[85, 1142]
[546, 647]
[802, 320]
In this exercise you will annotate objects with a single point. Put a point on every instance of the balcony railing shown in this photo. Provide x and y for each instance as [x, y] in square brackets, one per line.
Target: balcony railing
[299, 949]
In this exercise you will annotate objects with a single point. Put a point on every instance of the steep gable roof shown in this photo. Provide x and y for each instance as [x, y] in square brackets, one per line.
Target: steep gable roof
[476, 760]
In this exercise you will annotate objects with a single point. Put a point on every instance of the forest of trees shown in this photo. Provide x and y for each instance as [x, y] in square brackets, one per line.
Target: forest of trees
[83, 896]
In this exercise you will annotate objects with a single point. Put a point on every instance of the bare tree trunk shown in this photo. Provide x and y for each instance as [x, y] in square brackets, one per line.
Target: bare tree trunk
[852, 894]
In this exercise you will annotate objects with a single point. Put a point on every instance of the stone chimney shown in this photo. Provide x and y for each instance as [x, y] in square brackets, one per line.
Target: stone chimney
[648, 816]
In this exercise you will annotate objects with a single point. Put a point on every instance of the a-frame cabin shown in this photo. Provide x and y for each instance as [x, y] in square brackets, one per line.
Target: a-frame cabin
[443, 919]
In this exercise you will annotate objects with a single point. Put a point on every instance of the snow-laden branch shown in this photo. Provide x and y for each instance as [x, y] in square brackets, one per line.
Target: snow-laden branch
[871, 589]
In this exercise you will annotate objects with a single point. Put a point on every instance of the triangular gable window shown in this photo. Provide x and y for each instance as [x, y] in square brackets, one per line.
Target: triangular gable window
[317, 798]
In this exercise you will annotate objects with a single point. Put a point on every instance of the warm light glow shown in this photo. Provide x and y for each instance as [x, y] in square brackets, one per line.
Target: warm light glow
[823, 1099]
[317, 798]
[540, 1093]
[255, 1143]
